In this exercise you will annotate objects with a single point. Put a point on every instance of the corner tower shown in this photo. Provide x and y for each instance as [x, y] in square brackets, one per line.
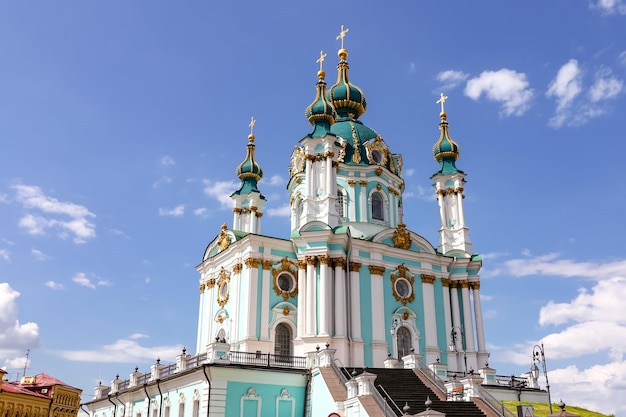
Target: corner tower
[449, 182]
[248, 200]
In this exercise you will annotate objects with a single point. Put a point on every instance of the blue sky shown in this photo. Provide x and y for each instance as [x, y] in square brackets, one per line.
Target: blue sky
[122, 123]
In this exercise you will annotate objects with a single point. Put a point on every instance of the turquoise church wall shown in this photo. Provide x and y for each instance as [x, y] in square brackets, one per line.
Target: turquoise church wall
[269, 400]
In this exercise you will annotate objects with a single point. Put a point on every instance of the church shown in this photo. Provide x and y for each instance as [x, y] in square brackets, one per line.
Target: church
[295, 325]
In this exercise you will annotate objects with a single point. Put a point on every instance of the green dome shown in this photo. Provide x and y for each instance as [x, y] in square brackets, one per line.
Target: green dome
[355, 134]
[320, 113]
[446, 150]
[250, 168]
[348, 99]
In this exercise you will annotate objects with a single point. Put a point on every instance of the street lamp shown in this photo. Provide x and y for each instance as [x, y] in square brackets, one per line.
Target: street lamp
[539, 356]
[452, 347]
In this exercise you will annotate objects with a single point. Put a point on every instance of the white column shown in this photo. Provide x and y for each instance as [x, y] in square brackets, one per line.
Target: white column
[340, 300]
[235, 219]
[203, 322]
[478, 316]
[352, 199]
[363, 199]
[265, 297]
[456, 321]
[467, 317]
[430, 321]
[252, 282]
[378, 312]
[329, 178]
[459, 204]
[355, 301]
[311, 310]
[301, 298]
[324, 297]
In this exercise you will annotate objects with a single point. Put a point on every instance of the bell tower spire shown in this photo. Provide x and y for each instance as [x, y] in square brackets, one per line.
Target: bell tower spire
[248, 200]
[449, 182]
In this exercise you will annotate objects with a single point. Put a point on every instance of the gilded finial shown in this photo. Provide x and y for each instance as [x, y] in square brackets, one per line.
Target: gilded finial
[442, 100]
[321, 59]
[251, 126]
[342, 35]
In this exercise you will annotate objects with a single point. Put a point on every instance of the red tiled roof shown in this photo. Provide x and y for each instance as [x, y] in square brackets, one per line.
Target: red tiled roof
[17, 389]
[45, 380]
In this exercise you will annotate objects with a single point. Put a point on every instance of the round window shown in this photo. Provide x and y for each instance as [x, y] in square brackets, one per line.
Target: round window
[403, 288]
[285, 282]
[223, 293]
[377, 156]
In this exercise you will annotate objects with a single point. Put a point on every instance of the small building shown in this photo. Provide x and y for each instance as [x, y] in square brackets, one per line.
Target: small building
[41, 395]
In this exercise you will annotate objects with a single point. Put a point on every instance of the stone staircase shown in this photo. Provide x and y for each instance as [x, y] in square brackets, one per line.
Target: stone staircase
[404, 387]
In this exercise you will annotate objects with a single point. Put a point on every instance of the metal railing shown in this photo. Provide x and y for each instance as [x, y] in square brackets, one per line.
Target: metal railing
[267, 360]
[492, 402]
[238, 358]
[388, 399]
[432, 377]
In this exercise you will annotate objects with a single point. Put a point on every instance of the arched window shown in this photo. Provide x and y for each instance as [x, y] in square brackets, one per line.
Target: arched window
[340, 204]
[282, 342]
[378, 204]
[403, 339]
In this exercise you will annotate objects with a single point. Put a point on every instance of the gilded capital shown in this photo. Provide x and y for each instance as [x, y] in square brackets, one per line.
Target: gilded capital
[237, 268]
[202, 287]
[338, 262]
[267, 265]
[311, 260]
[464, 283]
[377, 270]
[323, 259]
[454, 283]
[252, 262]
[428, 279]
[475, 285]
[301, 264]
[355, 266]
[445, 282]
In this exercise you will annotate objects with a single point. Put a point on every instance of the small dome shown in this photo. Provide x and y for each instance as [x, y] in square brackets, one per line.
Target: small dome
[445, 150]
[355, 134]
[320, 111]
[445, 146]
[250, 168]
[348, 99]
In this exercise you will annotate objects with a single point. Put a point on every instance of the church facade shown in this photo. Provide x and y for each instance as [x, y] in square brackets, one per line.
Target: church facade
[348, 277]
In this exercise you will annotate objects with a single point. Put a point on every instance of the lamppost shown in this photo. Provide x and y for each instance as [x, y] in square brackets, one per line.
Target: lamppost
[539, 356]
[452, 347]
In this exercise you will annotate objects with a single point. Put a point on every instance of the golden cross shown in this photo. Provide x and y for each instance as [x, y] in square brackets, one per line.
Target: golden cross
[321, 59]
[442, 99]
[251, 125]
[342, 35]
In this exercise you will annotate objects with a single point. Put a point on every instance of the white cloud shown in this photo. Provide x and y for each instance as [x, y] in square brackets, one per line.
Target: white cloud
[167, 161]
[610, 6]
[276, 180]
[606, 86]
[5, 254]
[504, 86]
[412, 68]
[164, 180]
[81, 279]
[54, 285]
[120, 233]
[284, 211]
[39, 255]
[33, 198]
[220, 190]
[451, 79]
[408, 172]
[177, 211]
[200, 211]
[590, 325]
[127, 350]
[13, 335]
[550, 265]
[621, 58]
[566, 85]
